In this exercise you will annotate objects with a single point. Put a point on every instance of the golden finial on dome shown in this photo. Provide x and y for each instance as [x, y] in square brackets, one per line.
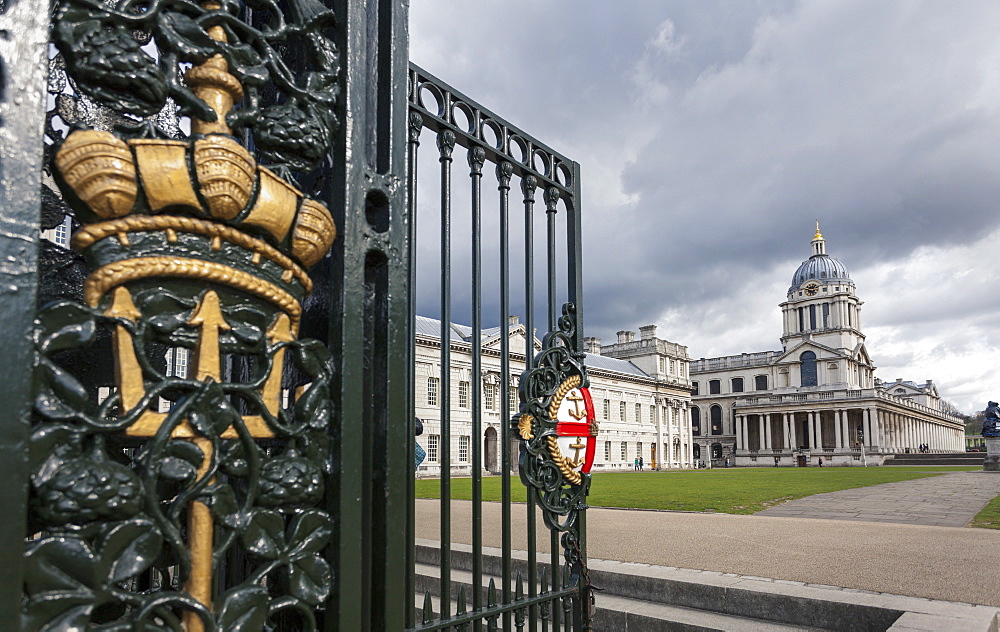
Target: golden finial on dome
[817, 235]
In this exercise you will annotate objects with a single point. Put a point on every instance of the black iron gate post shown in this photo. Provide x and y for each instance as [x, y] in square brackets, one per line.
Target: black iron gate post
[24, 35]
[370, 322]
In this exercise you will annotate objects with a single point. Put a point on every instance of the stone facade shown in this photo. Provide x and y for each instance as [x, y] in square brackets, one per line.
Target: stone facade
[818, 397]
[641, 394]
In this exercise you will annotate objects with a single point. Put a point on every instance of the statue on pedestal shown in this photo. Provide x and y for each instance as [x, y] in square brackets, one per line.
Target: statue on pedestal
[991, 421]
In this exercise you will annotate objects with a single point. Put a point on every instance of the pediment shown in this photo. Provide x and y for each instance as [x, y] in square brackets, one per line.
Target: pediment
[822, 352]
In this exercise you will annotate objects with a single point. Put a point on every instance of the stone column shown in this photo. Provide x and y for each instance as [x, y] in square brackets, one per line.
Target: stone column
[866, 415]
[838, 433]
[819, 429]
[793, 440]
[768, 444]
[760, 430]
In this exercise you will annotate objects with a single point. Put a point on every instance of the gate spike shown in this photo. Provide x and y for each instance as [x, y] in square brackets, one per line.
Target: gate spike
[519, 587]
[461, 601]
[428, 614]
[491, 602]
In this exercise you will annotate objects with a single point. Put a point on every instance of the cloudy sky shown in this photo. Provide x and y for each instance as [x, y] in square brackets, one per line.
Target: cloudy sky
[711, 135]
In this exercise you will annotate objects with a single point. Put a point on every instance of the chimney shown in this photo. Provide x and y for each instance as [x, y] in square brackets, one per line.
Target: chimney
[625, 336]
[512, 320]
[592, 344]
[647, 332]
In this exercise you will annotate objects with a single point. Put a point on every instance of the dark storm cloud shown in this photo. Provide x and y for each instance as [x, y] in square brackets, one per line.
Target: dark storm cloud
[711, 135]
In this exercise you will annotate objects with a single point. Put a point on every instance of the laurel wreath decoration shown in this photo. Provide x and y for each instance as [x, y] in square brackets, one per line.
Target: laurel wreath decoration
[553, 373]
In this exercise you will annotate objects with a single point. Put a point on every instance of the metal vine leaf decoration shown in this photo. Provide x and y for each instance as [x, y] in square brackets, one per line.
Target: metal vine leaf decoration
[558, 428]
[165, 498]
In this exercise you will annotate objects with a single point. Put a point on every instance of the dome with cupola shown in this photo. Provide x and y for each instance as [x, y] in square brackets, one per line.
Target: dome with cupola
[820, 267]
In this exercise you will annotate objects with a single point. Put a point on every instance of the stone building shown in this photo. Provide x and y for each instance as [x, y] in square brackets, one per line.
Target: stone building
[818, 397]
[640, 388]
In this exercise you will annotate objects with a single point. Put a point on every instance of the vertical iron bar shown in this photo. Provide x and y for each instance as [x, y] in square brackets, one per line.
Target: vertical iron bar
[477, 155]
[574, 239]
[528, 186]
[446, 144]
[503, 173]
[25, 29]
[574, 252]
[415, 125]
[554, 550]
[551, 200]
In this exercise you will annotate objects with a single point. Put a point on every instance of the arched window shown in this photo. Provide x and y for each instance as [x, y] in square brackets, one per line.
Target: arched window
[696, 422]
[716, 450]
[716, 419]
[808, 369]
[696, 451]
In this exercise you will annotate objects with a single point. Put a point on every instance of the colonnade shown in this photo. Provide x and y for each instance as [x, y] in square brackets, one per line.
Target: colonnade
[674, 446]
[843, 429]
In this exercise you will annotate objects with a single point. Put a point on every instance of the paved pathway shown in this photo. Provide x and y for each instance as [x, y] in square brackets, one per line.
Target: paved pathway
[861, 550]
[949, 500]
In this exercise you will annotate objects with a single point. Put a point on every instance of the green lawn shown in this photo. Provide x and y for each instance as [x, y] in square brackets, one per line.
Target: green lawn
[735, 490]
[989, 517]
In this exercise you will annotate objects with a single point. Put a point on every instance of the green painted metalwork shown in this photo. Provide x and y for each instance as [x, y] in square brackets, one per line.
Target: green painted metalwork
[555, 592]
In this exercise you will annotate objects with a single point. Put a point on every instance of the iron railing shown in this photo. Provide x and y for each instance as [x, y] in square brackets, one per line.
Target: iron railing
[557, 592]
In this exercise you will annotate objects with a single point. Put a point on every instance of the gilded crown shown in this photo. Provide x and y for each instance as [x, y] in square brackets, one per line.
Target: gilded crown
[199, 207]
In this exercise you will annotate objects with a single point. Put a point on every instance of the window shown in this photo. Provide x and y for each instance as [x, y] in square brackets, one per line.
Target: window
[812, 317]
[638, 413]
[808, 368]
[490, 396]
[673, 367]
[714, 387]
[432, 447]
[661, 364]
[737, 385]
[696, 451]
[177, 362]
[607, 409]
[716, 419]
[624, 451]
[760, 382]
[513, 402]
[607, 451]
[696, 422]
[826, 314]
[463, 449]
[802, 317]
[463, 394]
[432, 391]
[621, 411]
[694, 388]
[638, 449]
[652, 414]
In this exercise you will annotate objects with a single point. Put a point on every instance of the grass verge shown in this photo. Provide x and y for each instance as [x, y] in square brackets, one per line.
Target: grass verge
[989, 517]
[735, 490]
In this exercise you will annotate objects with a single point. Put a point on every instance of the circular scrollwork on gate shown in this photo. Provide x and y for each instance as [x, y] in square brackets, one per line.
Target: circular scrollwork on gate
[557, 426]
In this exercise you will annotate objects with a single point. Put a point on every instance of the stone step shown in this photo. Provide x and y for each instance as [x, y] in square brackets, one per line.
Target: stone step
[646, 597]
[633, 615]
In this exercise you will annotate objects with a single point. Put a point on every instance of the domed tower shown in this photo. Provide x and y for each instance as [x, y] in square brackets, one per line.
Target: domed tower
[822, 307]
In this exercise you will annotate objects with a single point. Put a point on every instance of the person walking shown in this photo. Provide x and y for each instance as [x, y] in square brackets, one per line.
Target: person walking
[635, 464]
[640, 464]
[821, 461]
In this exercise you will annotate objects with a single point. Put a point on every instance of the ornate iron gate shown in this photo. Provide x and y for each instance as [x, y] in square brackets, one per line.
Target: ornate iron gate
[553, 388]
[206, 420]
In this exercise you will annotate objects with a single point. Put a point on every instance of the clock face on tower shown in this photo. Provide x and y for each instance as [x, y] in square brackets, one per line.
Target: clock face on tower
[811, 289]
